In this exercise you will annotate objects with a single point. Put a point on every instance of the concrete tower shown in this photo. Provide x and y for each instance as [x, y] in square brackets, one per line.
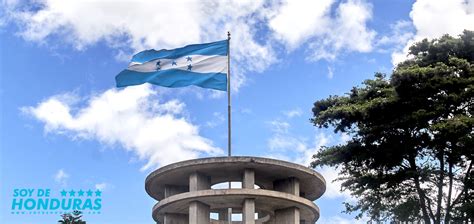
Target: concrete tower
[273, 191]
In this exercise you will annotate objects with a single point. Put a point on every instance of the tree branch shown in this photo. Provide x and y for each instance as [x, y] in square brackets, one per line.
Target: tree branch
[466, 178]
[447, 218]
[421, 194]
[430, 210]
[440, 187]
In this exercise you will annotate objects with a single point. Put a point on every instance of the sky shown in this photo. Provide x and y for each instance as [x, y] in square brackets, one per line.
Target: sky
[65, 126]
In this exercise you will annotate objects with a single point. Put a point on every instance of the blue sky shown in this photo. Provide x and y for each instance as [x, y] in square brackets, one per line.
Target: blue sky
[64, 125]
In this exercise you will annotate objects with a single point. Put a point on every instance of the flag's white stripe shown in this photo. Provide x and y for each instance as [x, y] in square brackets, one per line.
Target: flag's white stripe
[199, 63]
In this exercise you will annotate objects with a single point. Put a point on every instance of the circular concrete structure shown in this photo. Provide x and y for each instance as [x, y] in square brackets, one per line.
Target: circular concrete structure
[285, 191]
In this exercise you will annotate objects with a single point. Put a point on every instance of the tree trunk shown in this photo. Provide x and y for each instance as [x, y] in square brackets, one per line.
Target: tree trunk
[447, 218]
[420, 192]
[439, 200]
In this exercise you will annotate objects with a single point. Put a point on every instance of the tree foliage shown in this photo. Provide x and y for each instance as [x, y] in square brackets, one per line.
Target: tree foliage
[411, 152]
[72, 218]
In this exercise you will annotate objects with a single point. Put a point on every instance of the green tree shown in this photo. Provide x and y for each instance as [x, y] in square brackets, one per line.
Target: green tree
[411, 150]
[72, 218]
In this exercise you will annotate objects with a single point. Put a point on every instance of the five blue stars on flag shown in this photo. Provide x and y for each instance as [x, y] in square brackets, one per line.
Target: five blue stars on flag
[174, 63]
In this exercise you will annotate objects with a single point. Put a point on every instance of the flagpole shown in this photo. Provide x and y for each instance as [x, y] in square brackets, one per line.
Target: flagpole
[228, 98]
[229, 123]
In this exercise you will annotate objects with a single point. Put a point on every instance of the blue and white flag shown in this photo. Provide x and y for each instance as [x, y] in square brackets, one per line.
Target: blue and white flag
[203, 65]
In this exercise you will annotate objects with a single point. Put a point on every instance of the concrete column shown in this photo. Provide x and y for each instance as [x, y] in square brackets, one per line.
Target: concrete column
[175, 189]
[229, 215]
[199, 181]
[289, 215]
[174, 218]
[199, 213]
[248, 208]
[248, 180]
[290, 185]
[223, 215]
[248, 211]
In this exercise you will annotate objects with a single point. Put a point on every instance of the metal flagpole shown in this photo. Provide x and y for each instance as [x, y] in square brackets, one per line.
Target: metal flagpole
[229, 151]
[228, 97]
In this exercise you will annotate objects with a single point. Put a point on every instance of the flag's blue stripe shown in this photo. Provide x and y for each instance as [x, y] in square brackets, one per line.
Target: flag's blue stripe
[173, 78]
[214, 48]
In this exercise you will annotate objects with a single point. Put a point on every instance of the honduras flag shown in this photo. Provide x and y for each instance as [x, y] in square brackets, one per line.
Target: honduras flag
[203, 65]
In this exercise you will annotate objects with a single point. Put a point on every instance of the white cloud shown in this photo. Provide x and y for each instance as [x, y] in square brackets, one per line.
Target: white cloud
[320, 139]
[348, 32]
[333, 188]
[401, 32]
[286, 146]
[330, 72]
[295, 149]
[61, 177]
[434, 18]
[218, 119]
[102, 186]
[283, 141]
[133, 118]
[279, 126]
[297, 22]
[293, 113]
[149, 23]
